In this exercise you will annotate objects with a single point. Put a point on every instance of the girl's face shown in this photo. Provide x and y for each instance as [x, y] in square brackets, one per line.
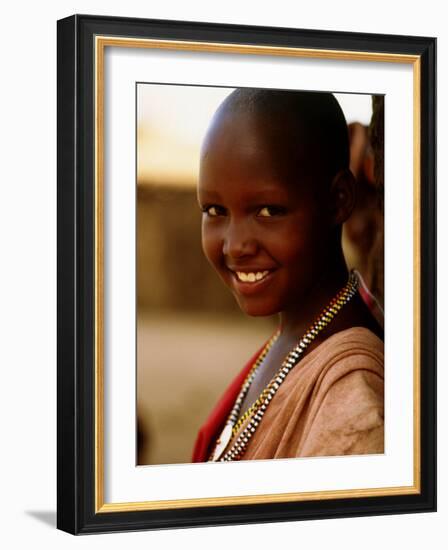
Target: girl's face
[264, 228]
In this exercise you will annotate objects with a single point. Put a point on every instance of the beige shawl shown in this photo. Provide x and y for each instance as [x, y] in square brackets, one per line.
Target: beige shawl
[331, 403]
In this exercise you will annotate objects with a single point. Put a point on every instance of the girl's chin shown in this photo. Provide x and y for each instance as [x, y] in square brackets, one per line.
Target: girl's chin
[254, 309]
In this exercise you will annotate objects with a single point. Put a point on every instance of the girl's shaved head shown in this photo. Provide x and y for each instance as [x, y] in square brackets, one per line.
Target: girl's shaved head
[310, 125]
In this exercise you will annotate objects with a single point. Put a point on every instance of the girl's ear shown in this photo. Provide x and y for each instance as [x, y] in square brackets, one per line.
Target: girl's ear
[342, 196]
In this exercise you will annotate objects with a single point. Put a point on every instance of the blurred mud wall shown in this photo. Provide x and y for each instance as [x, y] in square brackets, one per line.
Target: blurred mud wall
[172, 272]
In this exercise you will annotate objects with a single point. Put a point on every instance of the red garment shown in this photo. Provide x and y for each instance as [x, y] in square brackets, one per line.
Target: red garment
[367, 297]
[214, 424]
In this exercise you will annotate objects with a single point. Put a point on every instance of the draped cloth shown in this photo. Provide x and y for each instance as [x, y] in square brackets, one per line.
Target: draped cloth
[330, 404]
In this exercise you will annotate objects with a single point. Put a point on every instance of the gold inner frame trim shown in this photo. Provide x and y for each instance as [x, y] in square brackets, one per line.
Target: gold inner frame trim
[256, 499]
[101, 42]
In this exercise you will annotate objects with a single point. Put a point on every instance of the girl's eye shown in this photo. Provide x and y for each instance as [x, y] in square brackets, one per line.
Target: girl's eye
[213, 211]
[269, 211]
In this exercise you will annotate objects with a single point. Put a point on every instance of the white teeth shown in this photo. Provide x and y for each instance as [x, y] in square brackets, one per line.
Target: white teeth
[251, 277]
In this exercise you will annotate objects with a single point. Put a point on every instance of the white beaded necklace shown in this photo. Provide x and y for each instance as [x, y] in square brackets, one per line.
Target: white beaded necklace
[257, 410]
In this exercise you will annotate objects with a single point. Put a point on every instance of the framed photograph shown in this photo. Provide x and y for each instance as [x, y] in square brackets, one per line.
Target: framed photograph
[246, 274]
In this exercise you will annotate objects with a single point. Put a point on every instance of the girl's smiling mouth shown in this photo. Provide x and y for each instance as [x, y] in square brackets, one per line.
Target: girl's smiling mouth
[251, 276]
[250, 281]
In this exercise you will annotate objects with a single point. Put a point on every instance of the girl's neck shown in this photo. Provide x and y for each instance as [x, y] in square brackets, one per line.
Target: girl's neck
[297, 319]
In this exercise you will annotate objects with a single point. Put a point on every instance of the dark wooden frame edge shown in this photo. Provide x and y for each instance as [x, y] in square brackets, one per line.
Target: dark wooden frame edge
[75, 269]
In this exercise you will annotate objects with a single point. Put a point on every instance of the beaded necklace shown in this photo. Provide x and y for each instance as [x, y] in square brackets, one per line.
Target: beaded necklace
[256, 411]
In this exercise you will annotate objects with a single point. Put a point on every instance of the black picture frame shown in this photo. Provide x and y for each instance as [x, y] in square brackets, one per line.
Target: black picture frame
[77, 494]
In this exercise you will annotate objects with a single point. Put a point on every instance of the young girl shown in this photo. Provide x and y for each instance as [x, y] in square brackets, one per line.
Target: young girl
[275, 189]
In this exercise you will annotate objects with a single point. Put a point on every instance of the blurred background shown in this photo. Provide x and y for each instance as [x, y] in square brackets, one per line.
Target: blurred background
[192, 338]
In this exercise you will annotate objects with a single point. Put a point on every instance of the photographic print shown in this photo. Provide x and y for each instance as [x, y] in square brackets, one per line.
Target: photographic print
[223, 269]
[246, 274]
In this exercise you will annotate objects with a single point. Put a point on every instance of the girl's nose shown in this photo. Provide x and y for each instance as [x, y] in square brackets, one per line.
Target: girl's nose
[239, 241]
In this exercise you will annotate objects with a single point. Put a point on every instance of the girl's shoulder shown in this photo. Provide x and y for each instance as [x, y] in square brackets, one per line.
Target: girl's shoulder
[345, 353]
[334, 397]
[352, 341]
[347, 399]
[355, 338]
